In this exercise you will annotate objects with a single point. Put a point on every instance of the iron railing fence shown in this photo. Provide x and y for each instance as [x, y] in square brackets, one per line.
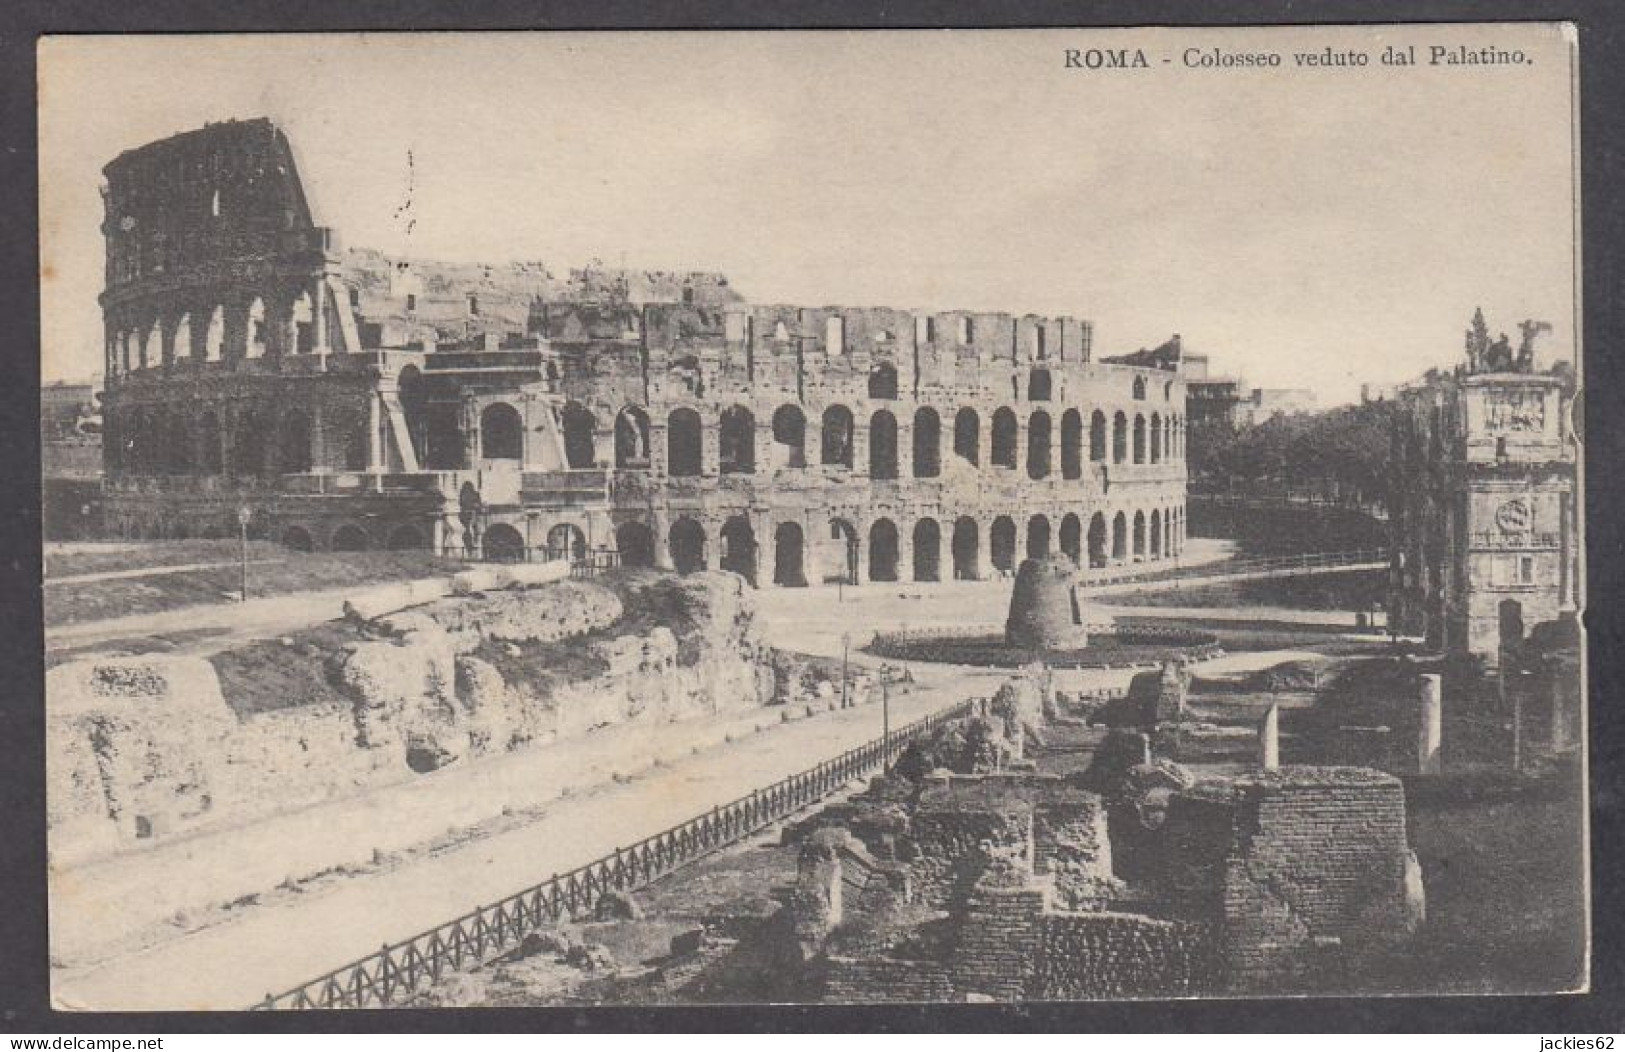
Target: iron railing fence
[1226, 567]
[401, 968]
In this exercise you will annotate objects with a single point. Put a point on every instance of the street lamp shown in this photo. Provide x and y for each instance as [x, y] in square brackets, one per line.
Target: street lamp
[244, 514]
[846, 644]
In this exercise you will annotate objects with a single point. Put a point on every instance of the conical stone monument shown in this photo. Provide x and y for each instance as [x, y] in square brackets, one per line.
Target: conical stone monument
[1045, 612]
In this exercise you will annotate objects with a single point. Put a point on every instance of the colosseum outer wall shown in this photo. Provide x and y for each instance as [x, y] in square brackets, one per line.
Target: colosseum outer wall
[354, 401]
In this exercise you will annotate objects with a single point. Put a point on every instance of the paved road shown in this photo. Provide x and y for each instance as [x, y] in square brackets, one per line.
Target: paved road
[294, 938]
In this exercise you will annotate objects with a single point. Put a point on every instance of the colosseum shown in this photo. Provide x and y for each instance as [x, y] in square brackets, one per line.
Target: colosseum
[342, 399]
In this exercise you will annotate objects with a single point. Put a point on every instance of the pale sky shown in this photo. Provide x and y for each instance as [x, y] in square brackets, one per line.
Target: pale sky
[1306, 228]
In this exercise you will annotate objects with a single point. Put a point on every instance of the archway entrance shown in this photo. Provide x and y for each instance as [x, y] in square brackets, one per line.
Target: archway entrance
[350, 538]
[297, 538]
[789, 437]
[687, 540]
[788, 546]
[883, 550]
[566, 541]
[503, 544]
[1038, 537]
[1002, 544]
[635, 544]
[580, 437]
[1072, 538]
[683, 456]
[967, 549]
[927, 550]
[502, 435]
[632, 439]
[739, 548]
[882, 445]
[927, 444]
[844, 537]
[736, 441]
[1097, 540]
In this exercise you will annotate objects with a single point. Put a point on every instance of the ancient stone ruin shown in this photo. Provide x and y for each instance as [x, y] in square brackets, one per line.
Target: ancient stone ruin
[1044, 609]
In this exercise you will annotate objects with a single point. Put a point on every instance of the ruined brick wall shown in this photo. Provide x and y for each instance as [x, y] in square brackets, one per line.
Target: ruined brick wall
[960, 833]
[1001, 932]
[1302, 868]
[1087, 956]
[849, 980]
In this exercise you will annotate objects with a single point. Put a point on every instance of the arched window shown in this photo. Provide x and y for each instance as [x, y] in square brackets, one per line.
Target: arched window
[214, 337]
[181, 342]
[968, 436]
[1071, 444]
[1003, 454]
[256, 329]
[1119, 437]
[834, 335]
[883, 381]
[1139, 535]
[1139, 439]
[966, 549]
[789, 548]
[1072, 538]
[503, 544]
[635, 544]
[1038, 439]
[1038, 537]
[789, 437]
[1002, 544]
[502, 435]
[927, 550]
[684, 456]
[1098, 542]
[632, 439]
[837, 436]
[1097, 436]
[883, 550]
[687, 541]
[1156, 438]
[927, 444]
[1156, 534]
[739, 547]
[736, 440]
[580, 436]
[882, 445]
[1119, 537]
[1139, 388]
[566, 541]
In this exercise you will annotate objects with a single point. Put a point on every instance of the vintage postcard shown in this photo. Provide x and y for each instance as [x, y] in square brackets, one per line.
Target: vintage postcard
[631, 518]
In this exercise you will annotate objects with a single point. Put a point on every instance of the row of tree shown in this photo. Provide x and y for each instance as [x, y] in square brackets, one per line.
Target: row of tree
[1348, 446]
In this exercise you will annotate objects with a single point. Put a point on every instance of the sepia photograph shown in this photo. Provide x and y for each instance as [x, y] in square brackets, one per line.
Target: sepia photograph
[564, 519]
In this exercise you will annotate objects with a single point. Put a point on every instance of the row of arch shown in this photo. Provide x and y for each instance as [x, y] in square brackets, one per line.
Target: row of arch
[1120, 439]
[242, 441]
[889, 551]
[253, 327]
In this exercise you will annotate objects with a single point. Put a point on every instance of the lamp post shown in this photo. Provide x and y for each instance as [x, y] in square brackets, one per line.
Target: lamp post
[885, 715]
[846, 644]
[244, 514]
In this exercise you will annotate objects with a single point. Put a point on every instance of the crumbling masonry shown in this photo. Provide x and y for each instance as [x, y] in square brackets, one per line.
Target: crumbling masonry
[351, 401]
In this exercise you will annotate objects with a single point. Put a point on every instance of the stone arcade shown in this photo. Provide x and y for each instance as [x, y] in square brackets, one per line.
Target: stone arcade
[356, 401]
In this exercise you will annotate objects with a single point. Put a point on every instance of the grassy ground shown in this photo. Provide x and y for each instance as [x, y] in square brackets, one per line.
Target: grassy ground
[298, 572]
[136, 555]
[270, 675]
[1505, 897]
